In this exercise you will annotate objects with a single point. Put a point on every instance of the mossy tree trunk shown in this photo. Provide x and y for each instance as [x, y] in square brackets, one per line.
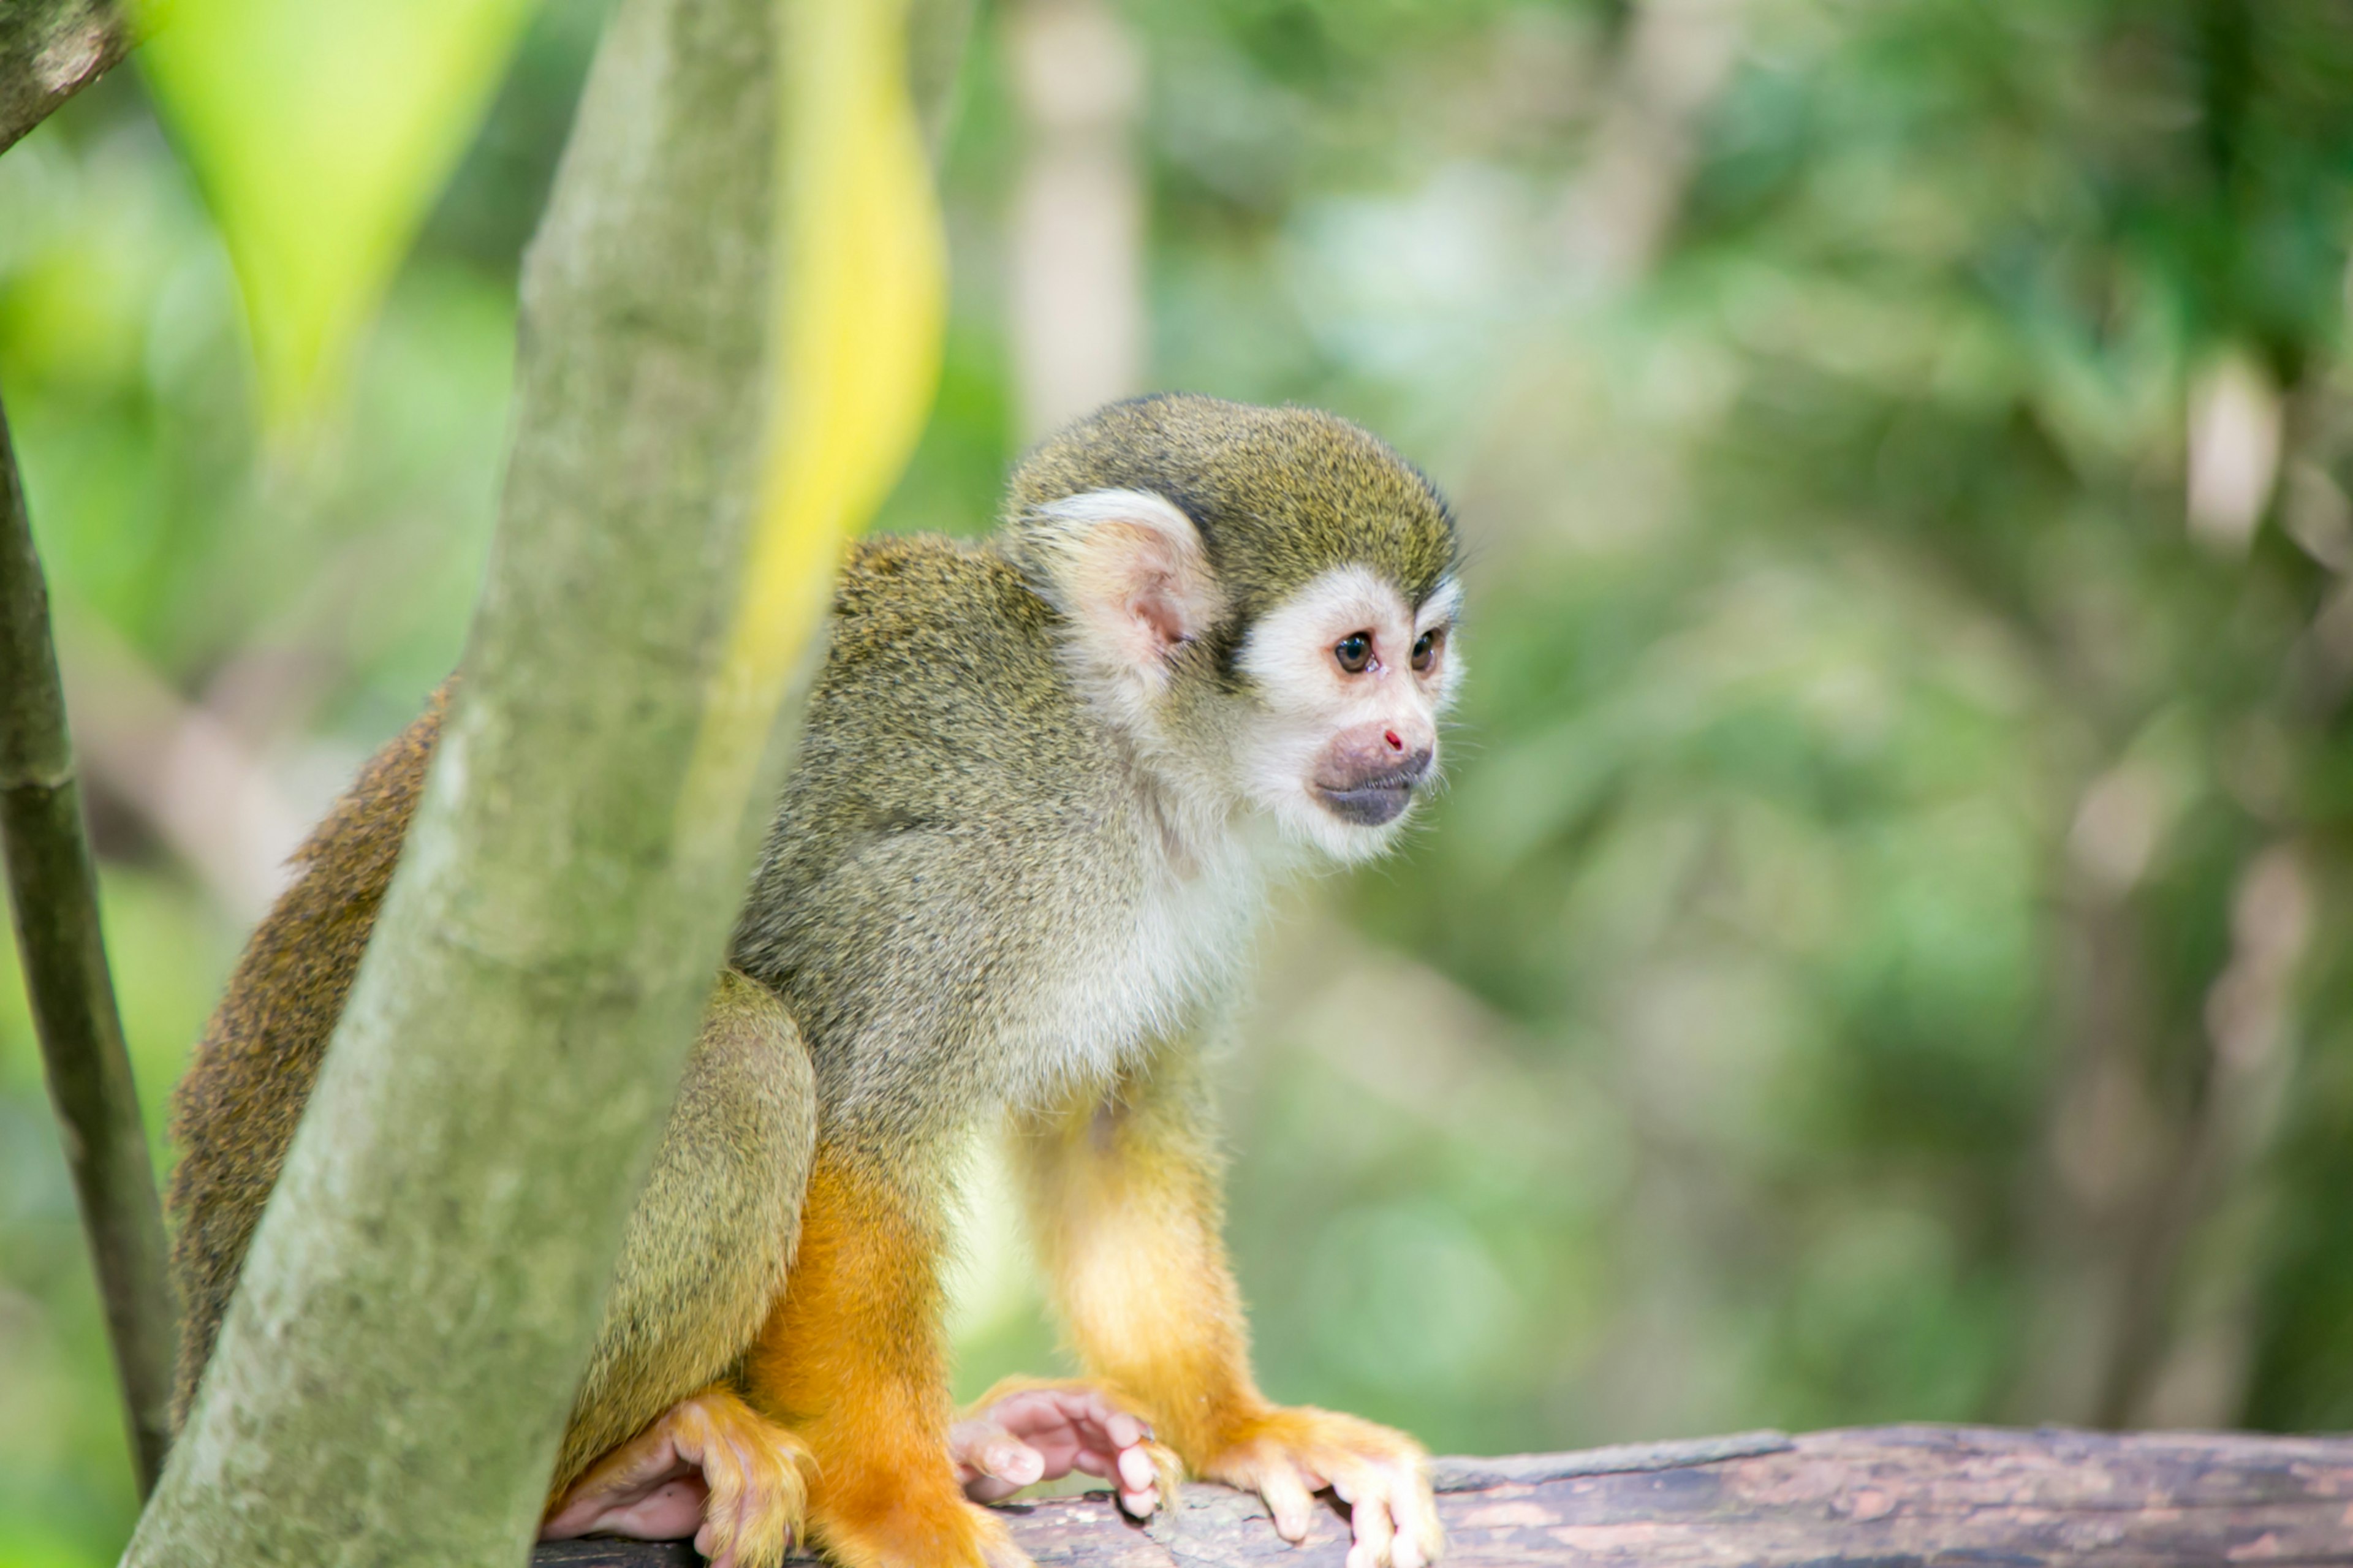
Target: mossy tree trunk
[392, 1379]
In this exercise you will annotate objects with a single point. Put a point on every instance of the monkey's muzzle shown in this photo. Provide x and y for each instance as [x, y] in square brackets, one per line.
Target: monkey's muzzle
[1377, 794]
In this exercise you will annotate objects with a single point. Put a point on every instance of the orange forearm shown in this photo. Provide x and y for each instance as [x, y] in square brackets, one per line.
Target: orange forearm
[1127, 1219]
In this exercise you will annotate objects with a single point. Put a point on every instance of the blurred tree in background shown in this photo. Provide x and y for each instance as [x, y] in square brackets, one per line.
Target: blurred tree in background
[1880, 954]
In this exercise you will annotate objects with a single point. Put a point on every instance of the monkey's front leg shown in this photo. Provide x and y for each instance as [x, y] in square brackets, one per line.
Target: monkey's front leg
[851, 1360]
[1125, 1201]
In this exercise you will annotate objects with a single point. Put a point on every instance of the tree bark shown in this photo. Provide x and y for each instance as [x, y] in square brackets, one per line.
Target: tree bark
[50, 50]
[393, 1376]
[1866, 1497]
[53, 902]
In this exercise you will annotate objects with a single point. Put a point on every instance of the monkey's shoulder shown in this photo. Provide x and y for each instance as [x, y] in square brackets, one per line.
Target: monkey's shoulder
[940, 638]
[930, 596]
[943, 703]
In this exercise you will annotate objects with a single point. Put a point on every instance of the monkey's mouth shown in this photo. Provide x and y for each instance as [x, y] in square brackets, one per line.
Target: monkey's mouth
[1377, 799]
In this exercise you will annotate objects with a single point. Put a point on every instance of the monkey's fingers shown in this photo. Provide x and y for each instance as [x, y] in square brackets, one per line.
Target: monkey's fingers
[1365, 1488]
[1115, 1444]
[645, 1490]
[991, 1462]
[710, 1468]
[1392, 1515]
[1027, 1430]
[1285, 1454]
[1136, 1474]
[1289, 1499]
[724, 1480]
[1421, 1539]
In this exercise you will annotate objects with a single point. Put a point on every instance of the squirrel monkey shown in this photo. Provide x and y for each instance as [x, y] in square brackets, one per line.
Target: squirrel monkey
[1013, 880]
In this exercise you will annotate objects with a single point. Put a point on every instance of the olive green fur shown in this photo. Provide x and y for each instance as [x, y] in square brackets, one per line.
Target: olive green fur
[1279, 494]
[955, 821]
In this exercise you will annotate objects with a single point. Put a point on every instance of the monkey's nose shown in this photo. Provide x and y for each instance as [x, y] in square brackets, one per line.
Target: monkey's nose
[1391, 772]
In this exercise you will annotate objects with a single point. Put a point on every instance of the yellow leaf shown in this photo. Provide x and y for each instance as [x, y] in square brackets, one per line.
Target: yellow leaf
[858, 329]
[321, 131]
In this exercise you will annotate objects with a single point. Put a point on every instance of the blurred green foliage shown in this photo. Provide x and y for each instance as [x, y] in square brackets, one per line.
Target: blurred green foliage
[1881, 953]
[321, 135]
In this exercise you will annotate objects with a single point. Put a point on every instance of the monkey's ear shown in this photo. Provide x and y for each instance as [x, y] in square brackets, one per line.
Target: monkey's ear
[1130, 571]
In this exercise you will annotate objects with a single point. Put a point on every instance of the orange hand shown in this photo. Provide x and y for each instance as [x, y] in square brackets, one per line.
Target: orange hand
[1286, 1454]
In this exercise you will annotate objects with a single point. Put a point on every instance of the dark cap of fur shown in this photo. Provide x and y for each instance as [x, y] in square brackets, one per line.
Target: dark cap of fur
[1281, 495]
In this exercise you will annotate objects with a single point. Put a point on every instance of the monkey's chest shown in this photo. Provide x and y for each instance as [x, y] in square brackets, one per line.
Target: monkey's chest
[1127, 972]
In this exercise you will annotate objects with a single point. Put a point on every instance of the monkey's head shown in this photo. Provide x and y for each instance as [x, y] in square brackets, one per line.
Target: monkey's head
[1262, 599]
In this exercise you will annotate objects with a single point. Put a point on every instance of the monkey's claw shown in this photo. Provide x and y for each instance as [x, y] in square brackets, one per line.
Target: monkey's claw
[1287, 1455]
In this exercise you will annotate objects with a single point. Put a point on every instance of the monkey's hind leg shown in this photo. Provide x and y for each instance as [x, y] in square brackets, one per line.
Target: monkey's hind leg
[703, 1259]
[851, 1359]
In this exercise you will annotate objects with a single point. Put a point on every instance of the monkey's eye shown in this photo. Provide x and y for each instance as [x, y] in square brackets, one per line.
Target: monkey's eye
[1353, 652]
[1425, 651]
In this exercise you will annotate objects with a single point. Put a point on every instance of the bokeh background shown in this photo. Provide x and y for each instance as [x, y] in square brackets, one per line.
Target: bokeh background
[1882, 952]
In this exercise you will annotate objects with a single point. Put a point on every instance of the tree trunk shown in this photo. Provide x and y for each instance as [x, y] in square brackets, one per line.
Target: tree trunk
[394, 1375]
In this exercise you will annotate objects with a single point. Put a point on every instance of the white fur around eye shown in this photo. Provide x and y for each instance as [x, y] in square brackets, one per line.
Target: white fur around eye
[1288, 654]
[1441, 608]
[1439, 611]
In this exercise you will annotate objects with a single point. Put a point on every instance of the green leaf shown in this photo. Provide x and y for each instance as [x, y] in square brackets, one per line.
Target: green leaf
[321, 131]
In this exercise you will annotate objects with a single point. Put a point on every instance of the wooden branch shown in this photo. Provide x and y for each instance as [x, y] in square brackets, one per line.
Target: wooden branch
[53, 900]
[1878, 1496]
[50, 50]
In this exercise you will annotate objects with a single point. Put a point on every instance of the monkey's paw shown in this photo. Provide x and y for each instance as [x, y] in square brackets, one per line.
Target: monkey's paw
[1031, 1429]
[709, 1466]
[1288, 1454]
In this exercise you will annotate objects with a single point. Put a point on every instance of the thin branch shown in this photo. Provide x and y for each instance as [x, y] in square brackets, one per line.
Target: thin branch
[50, 50]
[53, 899]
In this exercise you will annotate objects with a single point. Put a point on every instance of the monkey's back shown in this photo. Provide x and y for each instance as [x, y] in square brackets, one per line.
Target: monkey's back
[233, 1112]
